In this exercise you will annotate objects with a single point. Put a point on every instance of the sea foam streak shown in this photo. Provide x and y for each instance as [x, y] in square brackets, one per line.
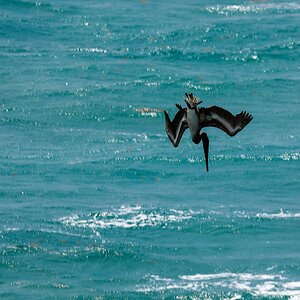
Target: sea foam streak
[139, 217]
[280, 215]
[266, 285]
[127, 217]
[252, 8]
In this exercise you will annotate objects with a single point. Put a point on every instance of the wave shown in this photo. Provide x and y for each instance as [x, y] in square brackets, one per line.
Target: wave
[175, 53]
[243, 157]
[27, 4]
[292, 7]
[125, 156]
[279, 215]
[233, 284]
[130, 217]
[127, 217]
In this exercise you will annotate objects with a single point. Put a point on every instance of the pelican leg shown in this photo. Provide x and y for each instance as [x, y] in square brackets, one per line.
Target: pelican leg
[204, 138]
[175, 128]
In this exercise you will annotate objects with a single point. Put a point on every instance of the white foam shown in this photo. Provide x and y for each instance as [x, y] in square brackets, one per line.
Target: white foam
[92, 50]
[137, 216]
[241, 276]
[264, 157]
[127, 217]
[261, 285]
[12, 229]
[290, 156]
[280, 215]
[251, 8]
[293, 285]
[152, 112]
[200, 277]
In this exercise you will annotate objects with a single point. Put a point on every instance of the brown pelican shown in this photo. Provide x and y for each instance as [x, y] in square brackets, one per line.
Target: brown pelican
[196, 118]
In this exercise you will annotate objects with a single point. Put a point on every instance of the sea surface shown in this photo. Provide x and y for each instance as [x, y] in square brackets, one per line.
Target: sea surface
[95, 202]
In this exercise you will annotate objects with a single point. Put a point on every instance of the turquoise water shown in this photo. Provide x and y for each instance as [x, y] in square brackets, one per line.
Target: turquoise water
[94, 200]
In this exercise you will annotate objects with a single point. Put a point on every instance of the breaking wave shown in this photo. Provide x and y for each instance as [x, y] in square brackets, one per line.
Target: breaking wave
[235, 285]
[127, 217]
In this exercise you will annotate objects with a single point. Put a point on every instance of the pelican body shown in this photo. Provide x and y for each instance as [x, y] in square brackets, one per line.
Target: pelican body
[196, 118]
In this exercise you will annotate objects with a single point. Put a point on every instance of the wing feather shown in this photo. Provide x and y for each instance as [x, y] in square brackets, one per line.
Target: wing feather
[177, 127]
[221, 118]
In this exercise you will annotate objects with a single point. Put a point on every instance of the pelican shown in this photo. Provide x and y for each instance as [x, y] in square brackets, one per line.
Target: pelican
[196, 118]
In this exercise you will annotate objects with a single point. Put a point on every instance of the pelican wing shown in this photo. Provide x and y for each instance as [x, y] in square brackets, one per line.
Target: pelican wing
[176, 128]
[215, 116]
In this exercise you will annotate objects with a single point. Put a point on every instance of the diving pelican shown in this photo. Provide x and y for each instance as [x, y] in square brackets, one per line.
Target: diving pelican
[196, 118]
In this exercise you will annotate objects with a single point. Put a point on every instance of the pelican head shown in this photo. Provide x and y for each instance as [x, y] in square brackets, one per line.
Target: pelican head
[191, 101]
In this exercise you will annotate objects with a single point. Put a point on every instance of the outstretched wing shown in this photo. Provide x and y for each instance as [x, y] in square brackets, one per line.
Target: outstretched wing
[215, 116]
[177, 127]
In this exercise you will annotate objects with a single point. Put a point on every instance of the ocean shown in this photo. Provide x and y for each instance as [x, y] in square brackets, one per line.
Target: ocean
[95, 202]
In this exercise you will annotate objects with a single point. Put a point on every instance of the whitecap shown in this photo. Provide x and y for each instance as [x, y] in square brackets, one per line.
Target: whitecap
[241, 276]
[279, 215]
[198, 277]
[234, 284]
[292, 285]
[138, 217]
[127, 217]
[252, 8]
[92, 50]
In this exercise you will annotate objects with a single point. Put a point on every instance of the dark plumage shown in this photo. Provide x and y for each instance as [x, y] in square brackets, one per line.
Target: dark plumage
[196, 118]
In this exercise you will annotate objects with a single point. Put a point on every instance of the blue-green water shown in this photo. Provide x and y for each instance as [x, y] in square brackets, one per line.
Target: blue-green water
[94, 200]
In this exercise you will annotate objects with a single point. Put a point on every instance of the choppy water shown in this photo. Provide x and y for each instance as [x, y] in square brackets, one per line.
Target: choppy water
[94, 200]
